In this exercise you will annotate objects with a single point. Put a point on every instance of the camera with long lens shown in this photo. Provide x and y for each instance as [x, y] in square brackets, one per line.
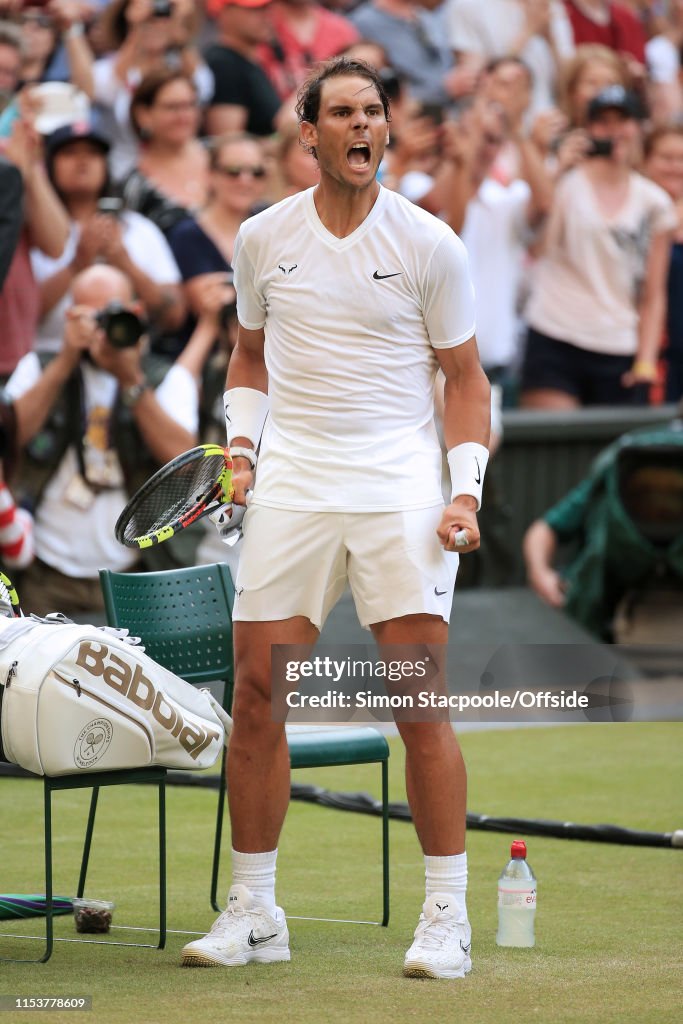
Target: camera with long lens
[122, 327]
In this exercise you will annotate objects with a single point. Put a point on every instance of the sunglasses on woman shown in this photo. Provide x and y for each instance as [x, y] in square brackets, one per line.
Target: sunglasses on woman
[234, 171]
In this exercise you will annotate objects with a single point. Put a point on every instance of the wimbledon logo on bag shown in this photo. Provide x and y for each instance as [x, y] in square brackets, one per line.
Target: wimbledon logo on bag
[131, 683]
[92, 742]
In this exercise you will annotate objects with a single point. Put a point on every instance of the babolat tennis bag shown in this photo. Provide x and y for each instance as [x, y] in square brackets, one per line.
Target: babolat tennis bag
[78, 698]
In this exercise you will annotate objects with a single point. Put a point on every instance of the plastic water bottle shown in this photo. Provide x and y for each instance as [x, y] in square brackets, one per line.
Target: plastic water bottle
[516, 900]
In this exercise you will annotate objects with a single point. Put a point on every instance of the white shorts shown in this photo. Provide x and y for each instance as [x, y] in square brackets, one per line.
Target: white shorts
[298, 563]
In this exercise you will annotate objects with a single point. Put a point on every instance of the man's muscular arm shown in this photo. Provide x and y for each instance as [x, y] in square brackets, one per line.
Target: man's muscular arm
[467, 418]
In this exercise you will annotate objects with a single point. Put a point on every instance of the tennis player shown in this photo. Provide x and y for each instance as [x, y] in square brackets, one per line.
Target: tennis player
[349, 299]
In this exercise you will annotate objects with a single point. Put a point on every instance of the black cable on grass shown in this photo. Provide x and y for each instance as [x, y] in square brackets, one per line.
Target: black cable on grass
[363, 803]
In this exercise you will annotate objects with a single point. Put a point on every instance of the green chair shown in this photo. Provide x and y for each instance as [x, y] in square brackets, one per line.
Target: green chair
[156, 776]
[185, 620]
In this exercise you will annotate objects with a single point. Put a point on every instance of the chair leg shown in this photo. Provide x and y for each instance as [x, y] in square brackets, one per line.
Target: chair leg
[385, 843]
[47, 851]
[217, 842]
[88, 841]
[162, 864]
[49, 922]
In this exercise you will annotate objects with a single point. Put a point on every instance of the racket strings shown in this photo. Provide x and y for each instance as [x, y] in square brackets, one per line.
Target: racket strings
[175, 496]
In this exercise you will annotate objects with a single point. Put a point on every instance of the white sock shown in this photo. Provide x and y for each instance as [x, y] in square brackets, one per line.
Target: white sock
[257, 872]
[448, 877]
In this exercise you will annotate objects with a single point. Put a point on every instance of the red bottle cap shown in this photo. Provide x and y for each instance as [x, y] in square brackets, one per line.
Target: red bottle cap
[518, 849]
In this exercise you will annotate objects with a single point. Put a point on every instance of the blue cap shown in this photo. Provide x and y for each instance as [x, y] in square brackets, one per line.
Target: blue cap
[79, 130]
[615, 97]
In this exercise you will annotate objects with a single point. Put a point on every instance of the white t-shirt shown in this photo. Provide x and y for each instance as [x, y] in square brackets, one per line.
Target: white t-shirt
[144, 243]
[351, 325]
[586, 286]
[663, 59]
[490, 28]
[78, 540]
[493, 233]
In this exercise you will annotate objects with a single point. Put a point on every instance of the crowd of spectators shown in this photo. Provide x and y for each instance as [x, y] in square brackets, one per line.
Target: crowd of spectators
[137, 135]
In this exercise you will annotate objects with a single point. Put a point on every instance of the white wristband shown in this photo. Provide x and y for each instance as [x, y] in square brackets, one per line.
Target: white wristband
[246, 410]
[246, 453]
[467, 463]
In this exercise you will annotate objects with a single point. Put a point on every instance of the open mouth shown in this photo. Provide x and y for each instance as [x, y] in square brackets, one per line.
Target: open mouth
[359, 156]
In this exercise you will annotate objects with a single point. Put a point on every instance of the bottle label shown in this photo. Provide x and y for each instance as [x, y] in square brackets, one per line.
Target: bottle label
[522, 898]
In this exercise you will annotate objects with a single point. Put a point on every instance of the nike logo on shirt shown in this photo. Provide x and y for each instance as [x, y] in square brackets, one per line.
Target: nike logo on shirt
[382, 277]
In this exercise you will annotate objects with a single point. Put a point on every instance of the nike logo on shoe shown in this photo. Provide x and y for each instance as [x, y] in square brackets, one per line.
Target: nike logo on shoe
[382, 277]
[443, 906]
[253, 941]
[466, 949]
[439, 593]
[477, 478]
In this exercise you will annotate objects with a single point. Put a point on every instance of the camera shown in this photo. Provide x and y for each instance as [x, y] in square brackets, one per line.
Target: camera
[600, 147]
[122, 327]
[162, 8]
[110, 206]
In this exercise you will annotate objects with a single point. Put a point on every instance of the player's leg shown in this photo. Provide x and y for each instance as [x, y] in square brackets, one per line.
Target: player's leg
[402, 581]
[291, 572]
[258, 758]
[436, 783]
[253, 928]
[436, 779]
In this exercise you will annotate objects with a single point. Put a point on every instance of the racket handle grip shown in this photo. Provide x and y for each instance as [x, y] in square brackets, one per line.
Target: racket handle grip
[461, 539]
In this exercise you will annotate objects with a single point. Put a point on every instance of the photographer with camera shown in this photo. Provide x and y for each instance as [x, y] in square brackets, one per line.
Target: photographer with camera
[606, 254]
[560, 133]
[95, 421]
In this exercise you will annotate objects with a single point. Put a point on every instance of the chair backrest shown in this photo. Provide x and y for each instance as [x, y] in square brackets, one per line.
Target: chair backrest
[183, 616]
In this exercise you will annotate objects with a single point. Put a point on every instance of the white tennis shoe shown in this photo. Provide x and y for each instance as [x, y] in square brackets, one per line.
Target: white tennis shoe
[441, 948]
[244, 933]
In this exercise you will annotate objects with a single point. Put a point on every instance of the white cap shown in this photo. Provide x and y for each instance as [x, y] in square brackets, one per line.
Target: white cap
[60, 103]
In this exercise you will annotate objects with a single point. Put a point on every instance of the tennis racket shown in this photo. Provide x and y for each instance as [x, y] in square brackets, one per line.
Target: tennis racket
[181, 492]
[8, 595]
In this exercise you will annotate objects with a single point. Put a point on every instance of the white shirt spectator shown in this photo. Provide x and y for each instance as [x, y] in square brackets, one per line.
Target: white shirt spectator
[145, 245]
[494, 233]
[70, 537]
[489, 29]
[586, 285]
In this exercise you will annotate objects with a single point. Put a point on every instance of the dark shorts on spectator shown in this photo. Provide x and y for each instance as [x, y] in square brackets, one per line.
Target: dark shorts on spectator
[593, 378]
